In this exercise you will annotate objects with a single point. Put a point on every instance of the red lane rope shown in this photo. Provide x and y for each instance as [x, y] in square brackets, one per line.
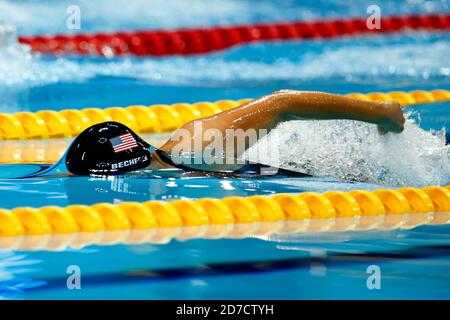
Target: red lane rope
[202, 40]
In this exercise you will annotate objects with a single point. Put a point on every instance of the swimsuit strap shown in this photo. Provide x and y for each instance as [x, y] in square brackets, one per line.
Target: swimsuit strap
[151, 148]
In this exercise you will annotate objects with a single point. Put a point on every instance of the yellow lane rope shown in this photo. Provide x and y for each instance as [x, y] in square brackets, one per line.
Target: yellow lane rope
[231, 216]
[32, 151]
[59, 242]
[156, 118]
[46, 151]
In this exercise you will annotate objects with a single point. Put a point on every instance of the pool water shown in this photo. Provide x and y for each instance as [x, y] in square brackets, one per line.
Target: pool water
[330, 265]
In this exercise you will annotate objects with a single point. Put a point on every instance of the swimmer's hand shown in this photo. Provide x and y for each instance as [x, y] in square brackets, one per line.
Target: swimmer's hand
[393, 120]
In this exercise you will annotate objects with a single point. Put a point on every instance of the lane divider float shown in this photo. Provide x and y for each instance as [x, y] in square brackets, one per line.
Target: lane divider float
[262, 230]
[156, 118]
[48, 151]
[203, 40]
[231, 216]
[32, 151]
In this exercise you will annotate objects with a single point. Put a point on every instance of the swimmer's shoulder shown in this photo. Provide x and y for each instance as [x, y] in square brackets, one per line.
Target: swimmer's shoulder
[163, 160]
[157, 161]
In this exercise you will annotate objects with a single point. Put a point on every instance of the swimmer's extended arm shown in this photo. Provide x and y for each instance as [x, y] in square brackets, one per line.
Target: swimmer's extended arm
[270, 110]
[318, 105]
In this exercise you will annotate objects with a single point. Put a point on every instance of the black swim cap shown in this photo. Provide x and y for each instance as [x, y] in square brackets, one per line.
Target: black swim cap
[107, 148]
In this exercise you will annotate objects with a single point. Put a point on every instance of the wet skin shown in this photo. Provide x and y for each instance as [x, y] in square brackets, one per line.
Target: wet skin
[270, 110]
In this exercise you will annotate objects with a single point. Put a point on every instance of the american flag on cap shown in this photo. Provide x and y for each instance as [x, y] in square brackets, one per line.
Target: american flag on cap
[123, 142]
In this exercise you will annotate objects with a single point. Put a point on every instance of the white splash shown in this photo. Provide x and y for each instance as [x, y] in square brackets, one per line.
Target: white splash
[107, 15]
[351, 150]
[14, 58]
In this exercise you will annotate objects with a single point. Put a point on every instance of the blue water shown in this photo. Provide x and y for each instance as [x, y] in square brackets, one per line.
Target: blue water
[414, 263]
[140, 14]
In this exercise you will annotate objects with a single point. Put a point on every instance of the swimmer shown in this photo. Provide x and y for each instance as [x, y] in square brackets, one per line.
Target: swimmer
[112, 148]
